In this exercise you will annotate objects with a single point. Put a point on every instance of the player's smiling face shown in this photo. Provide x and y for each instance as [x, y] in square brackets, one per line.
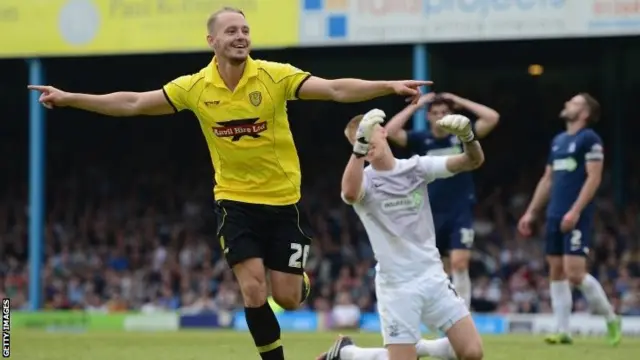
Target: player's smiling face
[573, 109]
[232, 40]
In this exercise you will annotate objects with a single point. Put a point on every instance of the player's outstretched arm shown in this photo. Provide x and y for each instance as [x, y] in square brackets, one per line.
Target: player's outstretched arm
[356, 90]
[395, 127]
[487, 117]
[114, 104]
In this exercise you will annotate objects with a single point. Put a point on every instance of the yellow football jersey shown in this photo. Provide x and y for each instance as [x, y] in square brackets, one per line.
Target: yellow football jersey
[247, 129]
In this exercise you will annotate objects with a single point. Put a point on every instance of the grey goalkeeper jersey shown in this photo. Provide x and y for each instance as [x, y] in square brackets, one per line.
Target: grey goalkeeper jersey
[394, 209]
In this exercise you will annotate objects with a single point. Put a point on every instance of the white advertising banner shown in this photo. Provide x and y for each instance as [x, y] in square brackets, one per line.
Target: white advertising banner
[581, 324]
[409, 21]
[152, 322]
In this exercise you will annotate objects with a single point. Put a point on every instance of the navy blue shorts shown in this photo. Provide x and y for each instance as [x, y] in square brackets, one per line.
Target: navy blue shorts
[575, 242]
[454, 230]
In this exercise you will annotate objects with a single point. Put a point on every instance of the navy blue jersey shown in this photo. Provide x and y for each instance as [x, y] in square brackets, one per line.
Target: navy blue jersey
[456, 193]
[568, 158]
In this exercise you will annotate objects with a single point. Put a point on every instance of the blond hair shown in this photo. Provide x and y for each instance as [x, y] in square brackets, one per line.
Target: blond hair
[352, 128]
[211, 23]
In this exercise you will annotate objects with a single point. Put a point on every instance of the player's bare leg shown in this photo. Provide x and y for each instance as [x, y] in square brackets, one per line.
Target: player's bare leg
[561, 301]
[459, 259]
[465, 340]
[402, 352]
[252, 280]
[289, 290]
[575, 267]
[261, 320]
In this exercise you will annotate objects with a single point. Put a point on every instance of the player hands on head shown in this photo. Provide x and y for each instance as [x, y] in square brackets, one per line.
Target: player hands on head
[570, 181]
[452, 199]
[391, 199]
[260, 226]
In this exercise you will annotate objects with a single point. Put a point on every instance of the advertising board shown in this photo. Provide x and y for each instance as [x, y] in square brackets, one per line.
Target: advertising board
[581, 324]
[95, 27]
[66, 321]
[414, 21]
[296, 321]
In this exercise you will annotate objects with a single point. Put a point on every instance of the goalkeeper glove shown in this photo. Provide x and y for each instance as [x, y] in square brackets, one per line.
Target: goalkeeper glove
[365, 130]
[458, 125]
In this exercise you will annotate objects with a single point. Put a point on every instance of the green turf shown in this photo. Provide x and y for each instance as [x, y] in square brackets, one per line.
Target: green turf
[217, 345]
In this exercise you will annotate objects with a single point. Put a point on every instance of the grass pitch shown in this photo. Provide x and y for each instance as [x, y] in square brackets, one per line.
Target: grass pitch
[226, 345]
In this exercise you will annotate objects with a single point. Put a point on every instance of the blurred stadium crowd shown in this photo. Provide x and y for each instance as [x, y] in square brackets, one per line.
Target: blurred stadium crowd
[130, 222]
[142, 238]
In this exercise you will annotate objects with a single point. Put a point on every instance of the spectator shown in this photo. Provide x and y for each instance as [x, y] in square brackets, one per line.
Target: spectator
[345, 314]
[131, 228]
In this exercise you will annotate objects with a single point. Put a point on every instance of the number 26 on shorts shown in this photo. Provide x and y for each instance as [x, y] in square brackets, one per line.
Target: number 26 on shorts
[298, 258]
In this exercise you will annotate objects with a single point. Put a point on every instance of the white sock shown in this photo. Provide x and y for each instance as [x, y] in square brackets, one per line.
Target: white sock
[561, 302]
[462, 283]
[438, 348]
[352, 352]
[596, 297]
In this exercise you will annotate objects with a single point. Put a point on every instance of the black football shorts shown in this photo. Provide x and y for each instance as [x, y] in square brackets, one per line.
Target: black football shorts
[279, 235]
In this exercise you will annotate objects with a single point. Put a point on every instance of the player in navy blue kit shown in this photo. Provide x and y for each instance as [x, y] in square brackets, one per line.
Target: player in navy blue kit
[451, 199]
[570, 181]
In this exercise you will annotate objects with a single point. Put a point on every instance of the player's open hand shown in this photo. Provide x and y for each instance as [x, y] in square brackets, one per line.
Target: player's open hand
[409, 88]
[525, 224]
[458, 125]
[569, 221]
[51, 97]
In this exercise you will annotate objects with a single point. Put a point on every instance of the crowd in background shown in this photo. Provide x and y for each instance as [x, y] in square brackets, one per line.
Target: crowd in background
[130, 221]
[143, 238]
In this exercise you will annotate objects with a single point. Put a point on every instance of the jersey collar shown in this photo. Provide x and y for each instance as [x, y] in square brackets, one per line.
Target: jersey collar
[213, 76]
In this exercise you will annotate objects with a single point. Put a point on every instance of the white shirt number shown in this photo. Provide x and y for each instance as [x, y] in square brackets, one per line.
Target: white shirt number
[300, 252]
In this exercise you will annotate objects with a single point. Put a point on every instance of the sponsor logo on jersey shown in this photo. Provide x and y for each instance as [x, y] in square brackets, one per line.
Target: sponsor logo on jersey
[412, 201]
[566, 164]
[239, 128]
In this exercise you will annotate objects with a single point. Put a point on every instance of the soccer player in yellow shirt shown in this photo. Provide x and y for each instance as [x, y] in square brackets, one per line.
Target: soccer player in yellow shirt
[240, 103]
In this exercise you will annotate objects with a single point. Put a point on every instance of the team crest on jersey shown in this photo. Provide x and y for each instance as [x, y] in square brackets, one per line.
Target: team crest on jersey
[255, 98]
[236, 129]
